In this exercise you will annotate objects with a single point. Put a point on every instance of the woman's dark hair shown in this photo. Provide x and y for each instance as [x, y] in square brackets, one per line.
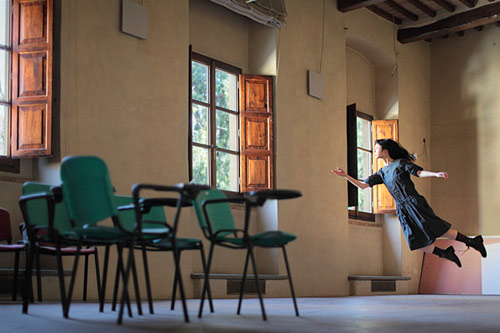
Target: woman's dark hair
[395, 150]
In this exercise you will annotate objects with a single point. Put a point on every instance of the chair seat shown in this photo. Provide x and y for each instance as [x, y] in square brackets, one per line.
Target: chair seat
[100, 233]
[182, 243]
[263, 239]
[11, 247]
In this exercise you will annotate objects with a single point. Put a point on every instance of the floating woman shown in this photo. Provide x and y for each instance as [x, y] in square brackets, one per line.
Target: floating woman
[420, 225]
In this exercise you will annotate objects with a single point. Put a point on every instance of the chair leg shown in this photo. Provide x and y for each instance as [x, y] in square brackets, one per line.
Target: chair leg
[98, 276]
[125, 274]
[86, 271]
[181, 287]
[148, 280]
[257, 282]
[104, 278]
[174, 288]
[73, 277]
[136, 286]
[27, 288]
[15, 277]
[245, 270]
[38, 274]
[290, 280]
[120, 270]
[205, 280]
[60, 271]
[117, 281]
[203, 262]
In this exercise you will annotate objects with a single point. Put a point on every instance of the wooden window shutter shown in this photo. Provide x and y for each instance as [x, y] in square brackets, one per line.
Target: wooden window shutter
[256, 133]
[31, 121]
[383, 203]
[352, 155]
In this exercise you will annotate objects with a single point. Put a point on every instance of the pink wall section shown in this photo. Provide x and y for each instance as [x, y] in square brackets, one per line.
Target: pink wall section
[440, 276]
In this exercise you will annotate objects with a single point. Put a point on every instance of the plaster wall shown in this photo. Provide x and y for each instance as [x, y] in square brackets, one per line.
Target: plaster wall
[464, 129]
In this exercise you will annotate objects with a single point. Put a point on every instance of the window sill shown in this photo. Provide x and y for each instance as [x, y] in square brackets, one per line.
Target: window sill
[362, 223]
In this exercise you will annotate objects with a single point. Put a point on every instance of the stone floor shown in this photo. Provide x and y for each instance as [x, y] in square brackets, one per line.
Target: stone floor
[408, 313]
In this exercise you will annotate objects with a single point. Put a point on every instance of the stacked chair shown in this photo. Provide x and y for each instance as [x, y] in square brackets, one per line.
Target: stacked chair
[6, 236]
[217, 223]
[87, 194]
[38, 219]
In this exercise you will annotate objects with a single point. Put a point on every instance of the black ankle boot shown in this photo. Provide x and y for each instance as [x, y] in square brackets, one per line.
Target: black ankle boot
[449, 254]
[477, 244]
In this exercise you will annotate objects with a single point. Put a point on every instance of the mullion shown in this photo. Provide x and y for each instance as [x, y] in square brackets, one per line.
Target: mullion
[212, 130]
[364, 149]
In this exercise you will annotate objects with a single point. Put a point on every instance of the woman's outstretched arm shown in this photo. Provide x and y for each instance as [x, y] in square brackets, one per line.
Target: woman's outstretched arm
[440, 174]
[355, 182]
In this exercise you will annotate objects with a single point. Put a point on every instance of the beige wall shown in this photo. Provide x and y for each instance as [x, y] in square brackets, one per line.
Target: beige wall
[465, 119]
[126, 100]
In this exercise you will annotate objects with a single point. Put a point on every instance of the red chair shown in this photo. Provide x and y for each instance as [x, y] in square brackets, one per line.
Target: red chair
[6, 235]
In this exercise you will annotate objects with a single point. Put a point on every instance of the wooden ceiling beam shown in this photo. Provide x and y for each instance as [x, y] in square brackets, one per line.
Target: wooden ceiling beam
[446, 5]
[400, 9]
[423, 7]
[384, 14]
[455, 23]
[469, 3]
[348, 5]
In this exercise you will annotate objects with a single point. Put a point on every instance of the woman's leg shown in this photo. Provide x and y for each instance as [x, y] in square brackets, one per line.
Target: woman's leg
[476, 242]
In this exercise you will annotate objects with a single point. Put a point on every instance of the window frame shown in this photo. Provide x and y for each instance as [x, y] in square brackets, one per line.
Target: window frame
[7, 163]
[355, 214]
[212, 64]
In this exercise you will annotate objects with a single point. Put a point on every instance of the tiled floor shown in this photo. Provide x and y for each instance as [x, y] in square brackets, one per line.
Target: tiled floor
[413, 313]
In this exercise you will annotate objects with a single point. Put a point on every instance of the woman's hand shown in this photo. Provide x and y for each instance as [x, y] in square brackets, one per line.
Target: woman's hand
[441, 174]
[338, 172]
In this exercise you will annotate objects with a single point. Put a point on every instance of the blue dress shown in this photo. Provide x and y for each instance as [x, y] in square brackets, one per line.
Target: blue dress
[420, 225]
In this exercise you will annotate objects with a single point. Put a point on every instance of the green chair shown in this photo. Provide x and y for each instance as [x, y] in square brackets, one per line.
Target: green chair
[41, 244]
[47, 222]
[217, 223]
[89, 198]
[152, 213]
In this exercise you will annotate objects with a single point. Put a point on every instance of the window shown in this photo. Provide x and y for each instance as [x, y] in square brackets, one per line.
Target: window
[25, 80]
[360, 157]
[231, 134]
[215, 154]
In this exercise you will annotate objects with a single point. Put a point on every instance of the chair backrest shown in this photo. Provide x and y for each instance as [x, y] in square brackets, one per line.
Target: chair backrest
[5, 229]
[219, 214]
[128, 219]
[87, 190]
[37, 210]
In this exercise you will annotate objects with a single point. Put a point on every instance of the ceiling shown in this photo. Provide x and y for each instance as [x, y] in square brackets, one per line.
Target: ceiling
[429, 19]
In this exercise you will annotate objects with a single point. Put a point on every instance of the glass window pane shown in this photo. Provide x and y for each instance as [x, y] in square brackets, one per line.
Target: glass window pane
[226, 90]
[364, 164]
[200, 166]
[200, 124]
[227, 130]
[4, 75]
[5, 22]
[4, 130]
[365, 200]
[227, 171]
[199, 81]
[364, 133]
